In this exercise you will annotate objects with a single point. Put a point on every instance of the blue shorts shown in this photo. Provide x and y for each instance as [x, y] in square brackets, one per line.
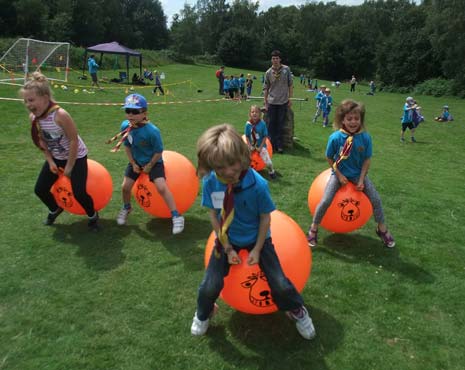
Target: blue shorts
[157, 171]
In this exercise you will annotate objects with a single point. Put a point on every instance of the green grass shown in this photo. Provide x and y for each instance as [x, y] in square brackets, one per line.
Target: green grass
[124, 298]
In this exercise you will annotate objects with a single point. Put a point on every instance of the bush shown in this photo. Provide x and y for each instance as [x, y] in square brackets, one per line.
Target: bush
[211, 59]
[396, 89]
[436, 87]
[5, 44]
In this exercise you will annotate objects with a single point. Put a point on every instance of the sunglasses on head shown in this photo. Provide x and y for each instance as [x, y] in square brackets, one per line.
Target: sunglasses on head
[133, 111]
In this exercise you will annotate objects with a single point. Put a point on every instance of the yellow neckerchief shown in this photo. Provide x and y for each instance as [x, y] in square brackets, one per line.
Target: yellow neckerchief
[346, 148]
[277, 72]
[227, 212]
[36, 131]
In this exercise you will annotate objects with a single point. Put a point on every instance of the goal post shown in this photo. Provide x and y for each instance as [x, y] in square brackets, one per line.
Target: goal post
[26, 56]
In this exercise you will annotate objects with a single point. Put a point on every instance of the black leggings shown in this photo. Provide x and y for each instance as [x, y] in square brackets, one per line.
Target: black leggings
[47, 178]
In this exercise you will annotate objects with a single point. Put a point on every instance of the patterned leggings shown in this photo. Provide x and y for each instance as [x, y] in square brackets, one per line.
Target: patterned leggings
[333, 186]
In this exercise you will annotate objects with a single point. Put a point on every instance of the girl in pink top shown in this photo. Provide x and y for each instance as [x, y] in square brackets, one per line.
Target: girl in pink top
[54, 132]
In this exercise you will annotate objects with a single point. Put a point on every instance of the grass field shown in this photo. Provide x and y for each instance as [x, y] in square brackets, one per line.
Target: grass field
[124, 298]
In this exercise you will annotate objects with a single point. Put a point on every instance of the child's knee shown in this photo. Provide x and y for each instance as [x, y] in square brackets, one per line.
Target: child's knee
[283, 287]
[211, 288]
[126, 186]
[161, 186]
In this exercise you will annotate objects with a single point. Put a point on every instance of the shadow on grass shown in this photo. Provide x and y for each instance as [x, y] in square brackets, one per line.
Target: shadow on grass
[274, 343]
[183, 246]
[298, 150]
[360, 248]
[101, 250]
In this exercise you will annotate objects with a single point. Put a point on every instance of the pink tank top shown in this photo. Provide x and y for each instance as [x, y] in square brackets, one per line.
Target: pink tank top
[56, 140]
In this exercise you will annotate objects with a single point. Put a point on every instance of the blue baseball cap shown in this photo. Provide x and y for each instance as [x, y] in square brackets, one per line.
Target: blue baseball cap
[135, 101]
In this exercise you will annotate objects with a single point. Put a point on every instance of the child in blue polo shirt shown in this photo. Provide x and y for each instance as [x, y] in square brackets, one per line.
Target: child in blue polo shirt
[144, 148]
[445, 115]
[326, 103]
[256, 133]
[407, 119]
[240, 205]
[348, 153]
[318, 97]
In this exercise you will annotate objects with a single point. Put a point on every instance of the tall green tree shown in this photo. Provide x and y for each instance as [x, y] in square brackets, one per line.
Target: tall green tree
[59, 26]
[214, 21]
[31, 17]
[7, 18]
[149, 25]
[446, 28]
[237, 48]
[185, 37]
[278, 31]
[405, 57]
[238, 45]
[88, 27]
[117, 23]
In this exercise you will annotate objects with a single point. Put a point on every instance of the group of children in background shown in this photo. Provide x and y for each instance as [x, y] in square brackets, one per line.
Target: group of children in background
[412, 117]
[238, 87]
[324, 102]
[228, 182]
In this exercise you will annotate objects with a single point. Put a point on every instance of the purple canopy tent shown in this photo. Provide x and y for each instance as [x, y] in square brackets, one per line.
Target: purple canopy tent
[113, 48]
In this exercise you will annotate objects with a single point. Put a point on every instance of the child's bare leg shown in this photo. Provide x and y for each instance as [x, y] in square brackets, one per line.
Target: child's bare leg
[164, 191]
[126, 188]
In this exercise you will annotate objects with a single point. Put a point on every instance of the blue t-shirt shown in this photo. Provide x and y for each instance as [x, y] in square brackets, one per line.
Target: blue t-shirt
[226, 84]
[408, 114]
[326, 102]
[92, 64]
[234, 83]
[261, 132]
[362, 149]
[144, 142]
[318, 96]
[251, 199]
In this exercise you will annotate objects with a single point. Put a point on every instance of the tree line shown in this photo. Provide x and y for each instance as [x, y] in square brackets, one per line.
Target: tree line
[397, 43]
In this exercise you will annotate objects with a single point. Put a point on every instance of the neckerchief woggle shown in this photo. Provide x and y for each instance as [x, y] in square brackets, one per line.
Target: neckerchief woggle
[346, 148]
[254, 132]
[123, 134]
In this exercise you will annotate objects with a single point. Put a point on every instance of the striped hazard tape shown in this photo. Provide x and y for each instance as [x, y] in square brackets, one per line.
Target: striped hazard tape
[119, 104]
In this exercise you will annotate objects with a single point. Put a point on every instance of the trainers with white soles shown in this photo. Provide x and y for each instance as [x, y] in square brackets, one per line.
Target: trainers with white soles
[303, 323]
[178, 224]
[386, 238]
[200, 327]
[122, 217]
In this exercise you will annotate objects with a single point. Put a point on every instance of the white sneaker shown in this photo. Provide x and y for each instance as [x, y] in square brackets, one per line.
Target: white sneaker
[303, 323]
[178, 224]
[123, 216]
[199, 327]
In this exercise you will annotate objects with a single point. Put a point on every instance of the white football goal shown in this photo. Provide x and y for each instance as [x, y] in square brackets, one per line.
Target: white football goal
[28, 55]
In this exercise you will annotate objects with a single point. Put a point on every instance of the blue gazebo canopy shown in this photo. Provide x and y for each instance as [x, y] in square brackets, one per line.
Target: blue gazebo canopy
[113, 48]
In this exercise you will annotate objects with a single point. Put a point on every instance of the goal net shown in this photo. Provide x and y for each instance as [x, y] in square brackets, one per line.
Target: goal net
[26, 56]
